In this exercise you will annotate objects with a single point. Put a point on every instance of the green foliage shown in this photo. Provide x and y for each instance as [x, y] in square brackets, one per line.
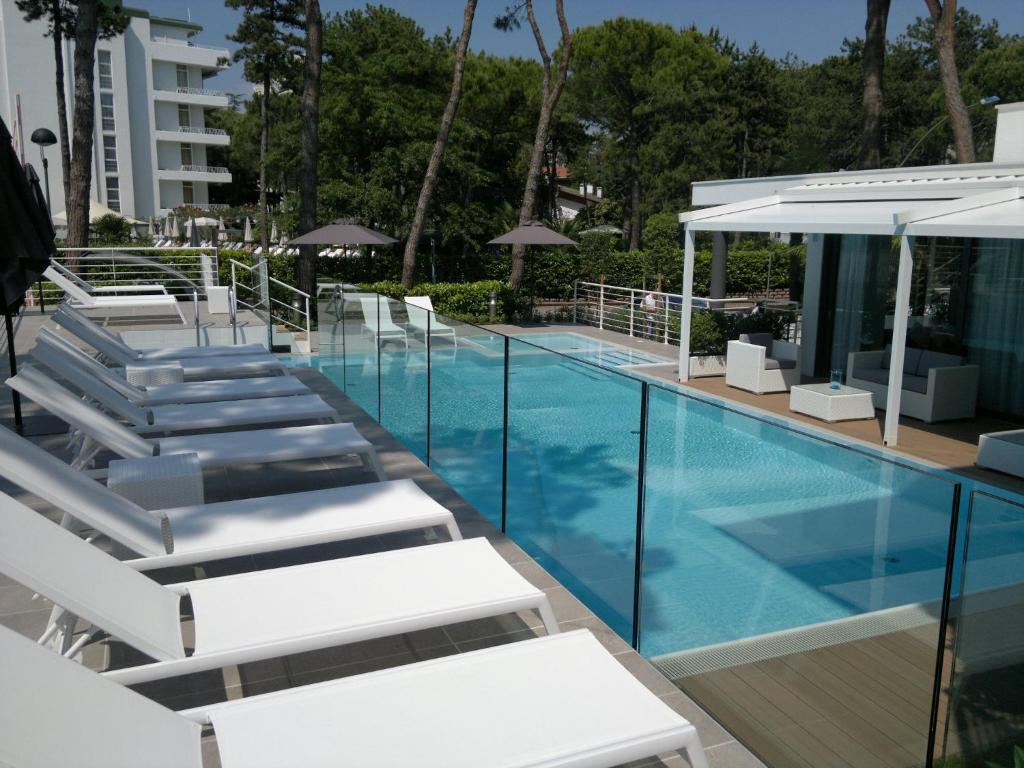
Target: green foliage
[469, 302]
[1018, 759]
[110, 229]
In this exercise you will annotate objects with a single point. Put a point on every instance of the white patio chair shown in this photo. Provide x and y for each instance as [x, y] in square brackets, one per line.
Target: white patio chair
[758, 363]
[188, 417]
[218, 449]
[50, 346]
[79, 296]
[257, 615]
[202, 366]
[90, 288]
[560, 700]
[420, 308]
[206, 532]
[1002, 451]
[378, 323]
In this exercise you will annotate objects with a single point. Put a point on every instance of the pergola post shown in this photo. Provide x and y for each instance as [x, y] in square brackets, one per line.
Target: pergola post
[899, 341]
[687, 308]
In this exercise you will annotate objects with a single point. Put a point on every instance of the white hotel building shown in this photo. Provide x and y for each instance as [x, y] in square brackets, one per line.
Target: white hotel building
[151, 140]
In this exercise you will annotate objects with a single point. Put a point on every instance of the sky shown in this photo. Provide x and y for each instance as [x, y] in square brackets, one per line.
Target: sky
[811, 29]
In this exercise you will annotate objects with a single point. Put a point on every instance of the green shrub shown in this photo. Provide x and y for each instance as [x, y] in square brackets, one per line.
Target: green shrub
[469, 302]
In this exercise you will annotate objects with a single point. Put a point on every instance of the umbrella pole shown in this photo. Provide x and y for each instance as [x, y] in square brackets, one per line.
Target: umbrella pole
[12, 361]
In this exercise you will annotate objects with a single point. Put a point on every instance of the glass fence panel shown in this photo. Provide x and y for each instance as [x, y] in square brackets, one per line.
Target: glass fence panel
[347, 346]
[985, 716]
[467, 370]
[792, 586]
[573, 448]
[403, 375]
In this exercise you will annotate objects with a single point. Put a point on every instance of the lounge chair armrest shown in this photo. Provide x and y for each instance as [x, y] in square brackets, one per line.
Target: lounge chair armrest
[745, 355]
[954, 382]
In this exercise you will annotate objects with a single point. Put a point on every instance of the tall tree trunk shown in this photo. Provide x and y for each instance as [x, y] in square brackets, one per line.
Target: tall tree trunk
[86, 28]
[549, 100]
[57, 12]
[430, 179]
[874, 63]
[310, 143]
[944, 16]
[634, 214]
[264, 141]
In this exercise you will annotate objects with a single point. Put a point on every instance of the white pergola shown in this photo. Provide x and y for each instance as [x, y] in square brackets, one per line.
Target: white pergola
[993, 214]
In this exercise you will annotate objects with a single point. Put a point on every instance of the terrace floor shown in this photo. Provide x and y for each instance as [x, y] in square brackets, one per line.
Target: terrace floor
[20, 612]
[951, 445]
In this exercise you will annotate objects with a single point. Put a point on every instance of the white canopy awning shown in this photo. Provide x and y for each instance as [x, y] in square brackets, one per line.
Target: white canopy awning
[998, 214]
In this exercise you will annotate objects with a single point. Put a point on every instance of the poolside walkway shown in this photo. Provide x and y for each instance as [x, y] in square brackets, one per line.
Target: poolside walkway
[19, 612]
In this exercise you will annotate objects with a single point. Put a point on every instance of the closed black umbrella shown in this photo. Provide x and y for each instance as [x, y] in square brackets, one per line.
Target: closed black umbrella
[26, 233]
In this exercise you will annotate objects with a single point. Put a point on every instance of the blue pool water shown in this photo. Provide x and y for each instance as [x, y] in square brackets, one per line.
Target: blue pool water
[750, 527]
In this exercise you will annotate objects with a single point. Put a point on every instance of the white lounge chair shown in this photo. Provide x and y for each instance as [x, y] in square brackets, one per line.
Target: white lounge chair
[420, 309]
[218, 364]
[206, 532]
[108, 289]
[51, 348]
[258, 615]
[219, 449]
[79, 296]
[189, 417]
[560, 700]
[378, 323]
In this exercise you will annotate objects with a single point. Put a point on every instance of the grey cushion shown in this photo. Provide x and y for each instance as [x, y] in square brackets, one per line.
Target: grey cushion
[930, 359]
[876, 375]
[915, 383]
[911, 383]
[771, 364]
[760, 339]
[911, 358]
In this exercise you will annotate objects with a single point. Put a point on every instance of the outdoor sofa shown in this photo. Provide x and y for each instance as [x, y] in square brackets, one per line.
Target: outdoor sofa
[936, 386]
[1003, 452]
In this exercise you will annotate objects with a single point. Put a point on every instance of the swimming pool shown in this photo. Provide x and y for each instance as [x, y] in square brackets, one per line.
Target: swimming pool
[750, 527]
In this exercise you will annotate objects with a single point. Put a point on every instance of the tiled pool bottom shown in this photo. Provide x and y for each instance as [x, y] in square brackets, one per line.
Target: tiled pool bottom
[750, 528]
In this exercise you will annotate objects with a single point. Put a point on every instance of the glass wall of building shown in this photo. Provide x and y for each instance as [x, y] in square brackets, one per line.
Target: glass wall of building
[966, 300]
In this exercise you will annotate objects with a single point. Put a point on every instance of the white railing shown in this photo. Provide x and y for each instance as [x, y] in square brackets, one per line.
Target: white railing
[198, 91]
[205, 131]
[184, 43]
[204, 206]
[256, 293]
[655, 315]
[203, 169]
[180, 270]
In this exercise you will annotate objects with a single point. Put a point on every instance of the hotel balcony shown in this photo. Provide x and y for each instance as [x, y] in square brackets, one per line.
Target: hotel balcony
[212, 174]
[185, 52]
[195, 135]
[202, 97]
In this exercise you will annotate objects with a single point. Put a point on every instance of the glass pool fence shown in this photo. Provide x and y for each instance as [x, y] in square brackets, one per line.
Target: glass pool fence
[788, 582]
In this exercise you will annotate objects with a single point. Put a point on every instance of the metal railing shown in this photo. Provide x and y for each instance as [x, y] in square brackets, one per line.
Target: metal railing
[219, 169]
[268, 298]
[198, 91]
[180, 270]
[655, 315]
[658, 478]
[202, 131]
[184, 43]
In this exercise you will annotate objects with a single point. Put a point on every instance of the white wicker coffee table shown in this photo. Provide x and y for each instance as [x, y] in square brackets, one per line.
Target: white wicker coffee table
[823, 402]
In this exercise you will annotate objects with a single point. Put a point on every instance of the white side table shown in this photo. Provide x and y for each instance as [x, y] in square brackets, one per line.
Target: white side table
[151, 375]
[823, 402]
[158, 482]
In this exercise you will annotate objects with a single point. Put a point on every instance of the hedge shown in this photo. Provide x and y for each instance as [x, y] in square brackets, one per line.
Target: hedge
[469, 302]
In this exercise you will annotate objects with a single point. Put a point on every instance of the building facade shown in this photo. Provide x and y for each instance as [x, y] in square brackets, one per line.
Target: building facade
[151, 142]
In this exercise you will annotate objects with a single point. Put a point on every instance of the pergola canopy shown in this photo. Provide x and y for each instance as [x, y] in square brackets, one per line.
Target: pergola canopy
[998, 214]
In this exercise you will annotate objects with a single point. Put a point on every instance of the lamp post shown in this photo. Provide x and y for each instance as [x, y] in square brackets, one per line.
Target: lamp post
[980, 103]
[44, 138]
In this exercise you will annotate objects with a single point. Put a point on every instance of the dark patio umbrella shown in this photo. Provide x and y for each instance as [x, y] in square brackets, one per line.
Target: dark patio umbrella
[532, 233]
[193, 233]
[27, 236]
[343, 232]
